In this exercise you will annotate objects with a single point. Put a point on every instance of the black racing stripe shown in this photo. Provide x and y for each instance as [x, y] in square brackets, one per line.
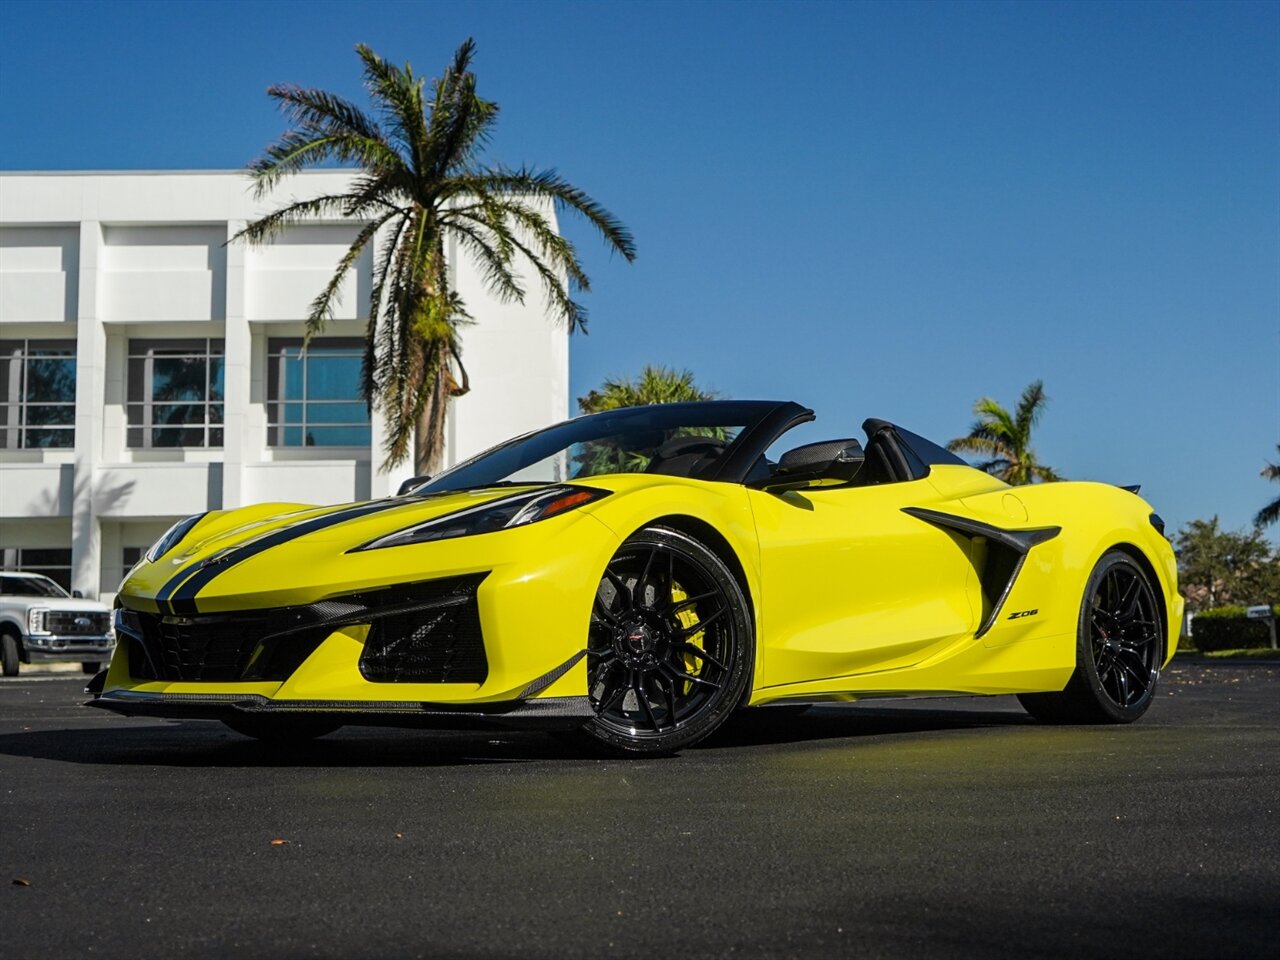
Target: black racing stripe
[180, 592]
[165, 594]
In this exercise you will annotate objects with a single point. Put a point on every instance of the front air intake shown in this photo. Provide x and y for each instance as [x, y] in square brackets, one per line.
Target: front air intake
[438, 642]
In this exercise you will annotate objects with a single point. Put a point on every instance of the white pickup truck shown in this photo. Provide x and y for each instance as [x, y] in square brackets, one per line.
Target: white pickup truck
[40, 622]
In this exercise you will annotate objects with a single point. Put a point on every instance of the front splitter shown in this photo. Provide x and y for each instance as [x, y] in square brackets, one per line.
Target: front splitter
[550, 713]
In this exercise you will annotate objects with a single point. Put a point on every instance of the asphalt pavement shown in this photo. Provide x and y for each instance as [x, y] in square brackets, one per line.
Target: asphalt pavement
[943, 828]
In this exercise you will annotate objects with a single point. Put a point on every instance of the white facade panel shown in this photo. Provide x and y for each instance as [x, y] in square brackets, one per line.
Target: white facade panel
[173, 358]
[32, 490]
[316, 481]
[38, 273]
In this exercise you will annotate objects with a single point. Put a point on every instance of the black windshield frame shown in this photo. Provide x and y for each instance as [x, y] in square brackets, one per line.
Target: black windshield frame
[762, 421]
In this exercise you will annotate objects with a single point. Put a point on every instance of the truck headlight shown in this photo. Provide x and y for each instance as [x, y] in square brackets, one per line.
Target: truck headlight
[37, 621]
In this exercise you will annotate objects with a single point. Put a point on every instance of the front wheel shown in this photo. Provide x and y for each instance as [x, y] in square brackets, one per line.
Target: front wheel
[670, 645]
[281, 729]
[1119, 650]
[9, 654]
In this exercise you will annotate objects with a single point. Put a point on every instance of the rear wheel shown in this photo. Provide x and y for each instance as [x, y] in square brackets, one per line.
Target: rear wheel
[9, 654]
[670, 647]
[1119, 649]
[90, 667]
[281, 729]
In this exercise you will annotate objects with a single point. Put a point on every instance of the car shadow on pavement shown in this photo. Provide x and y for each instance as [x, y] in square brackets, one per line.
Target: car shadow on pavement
[209, 744]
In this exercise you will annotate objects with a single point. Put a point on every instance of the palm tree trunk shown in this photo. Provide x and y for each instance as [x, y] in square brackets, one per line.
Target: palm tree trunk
[428, 437]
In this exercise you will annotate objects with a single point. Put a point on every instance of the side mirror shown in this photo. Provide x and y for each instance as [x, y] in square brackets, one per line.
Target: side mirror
[410, 484]
[838, 460]
[77, 594]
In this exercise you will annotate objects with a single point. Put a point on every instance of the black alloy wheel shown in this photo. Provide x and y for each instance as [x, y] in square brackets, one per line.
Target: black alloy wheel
[1120, 647]
[669, 650]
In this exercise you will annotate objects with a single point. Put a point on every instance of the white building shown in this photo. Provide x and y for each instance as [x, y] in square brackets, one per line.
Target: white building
[149, 370]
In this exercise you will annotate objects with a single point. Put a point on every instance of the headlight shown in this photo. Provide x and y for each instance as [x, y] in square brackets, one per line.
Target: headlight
[37, 620]
[172, 537]
[514, 511]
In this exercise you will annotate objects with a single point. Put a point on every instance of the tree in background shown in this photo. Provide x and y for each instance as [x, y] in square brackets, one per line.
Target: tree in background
[1217, 566]
[422, 182]
[1004, 438]
[656, 384]
[1271, 512]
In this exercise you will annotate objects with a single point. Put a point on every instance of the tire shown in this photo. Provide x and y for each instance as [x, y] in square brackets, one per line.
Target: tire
[9, 654]
[670, 647]
[1119, 650]
[282, 729]
[90, 667]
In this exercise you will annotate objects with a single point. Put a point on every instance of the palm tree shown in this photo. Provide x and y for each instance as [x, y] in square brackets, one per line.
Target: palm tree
[656, 384]
[1005, 438]
[1271, 512]
[421, 182]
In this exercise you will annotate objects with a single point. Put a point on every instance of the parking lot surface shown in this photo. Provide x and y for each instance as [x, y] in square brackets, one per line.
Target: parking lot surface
[920, 828]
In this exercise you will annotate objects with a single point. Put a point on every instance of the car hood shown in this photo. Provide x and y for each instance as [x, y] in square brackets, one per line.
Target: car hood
[348, 524]
[278, 554]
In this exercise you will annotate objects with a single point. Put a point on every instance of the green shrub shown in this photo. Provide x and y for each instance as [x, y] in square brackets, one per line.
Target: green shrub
[1227, 628]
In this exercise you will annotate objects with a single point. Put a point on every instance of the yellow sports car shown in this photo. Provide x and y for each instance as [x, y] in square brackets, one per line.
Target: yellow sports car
[637, 575]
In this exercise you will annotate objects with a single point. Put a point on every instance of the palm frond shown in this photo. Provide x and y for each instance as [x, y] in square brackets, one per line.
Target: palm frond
[268, 227]
[1030, 407]
[1268, 514]
[321, 311]
[399, 96]
[549, 184]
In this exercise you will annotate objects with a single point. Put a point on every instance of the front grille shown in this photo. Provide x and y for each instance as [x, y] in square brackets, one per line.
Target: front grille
[68, 623]
[439, 644]
[215, 648]
[272, 644]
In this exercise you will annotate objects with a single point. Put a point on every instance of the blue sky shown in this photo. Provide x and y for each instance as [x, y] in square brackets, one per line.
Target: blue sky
[877, 209]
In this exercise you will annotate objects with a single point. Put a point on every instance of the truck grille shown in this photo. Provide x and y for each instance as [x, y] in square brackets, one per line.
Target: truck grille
[69, 623]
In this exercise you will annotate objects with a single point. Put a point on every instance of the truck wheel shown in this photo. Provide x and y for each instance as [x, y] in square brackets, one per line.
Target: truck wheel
[9, 654]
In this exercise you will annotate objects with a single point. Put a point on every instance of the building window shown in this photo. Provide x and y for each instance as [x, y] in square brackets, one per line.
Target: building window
[175, 393]
[313, 395]
[54, 564]
[37, 393]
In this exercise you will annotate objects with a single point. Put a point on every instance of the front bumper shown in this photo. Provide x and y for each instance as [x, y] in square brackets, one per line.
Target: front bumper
[550, 713]
[55, 649]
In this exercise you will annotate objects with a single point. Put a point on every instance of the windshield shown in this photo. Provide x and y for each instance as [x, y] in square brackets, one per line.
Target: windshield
[30, 587]
[676, 439]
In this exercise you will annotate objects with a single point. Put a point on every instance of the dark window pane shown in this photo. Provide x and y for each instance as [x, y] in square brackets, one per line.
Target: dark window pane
[354, 436]
[47, 415]
[215, 436]
[177, 437]
[45, 437]
[215, 413]
[215, 378]
[172, 415]
[51, 380]
[178, 378]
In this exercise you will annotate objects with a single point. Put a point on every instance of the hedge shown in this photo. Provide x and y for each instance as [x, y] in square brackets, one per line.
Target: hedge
[1227, 628]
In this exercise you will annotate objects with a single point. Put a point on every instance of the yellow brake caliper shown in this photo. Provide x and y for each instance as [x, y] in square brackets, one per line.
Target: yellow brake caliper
[688, 617]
